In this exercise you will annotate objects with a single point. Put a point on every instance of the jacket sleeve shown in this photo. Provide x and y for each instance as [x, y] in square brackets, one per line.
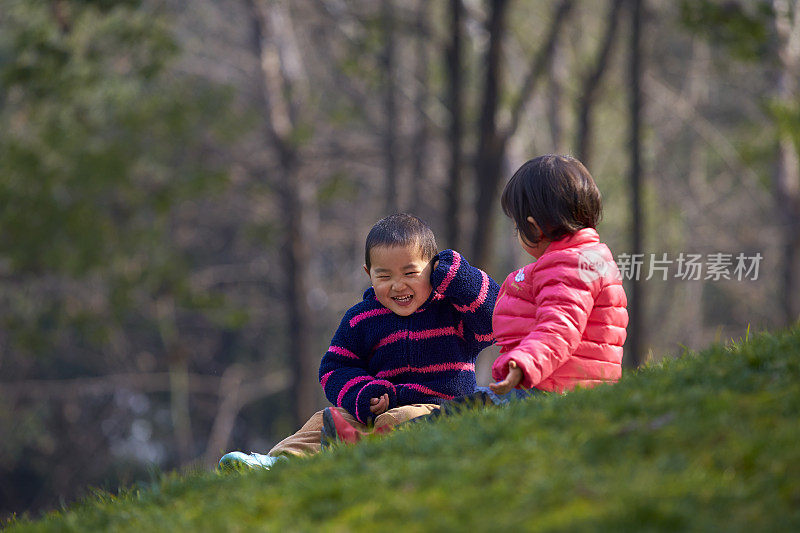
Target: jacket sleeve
[472, 292]
[563, 303]
[344, 377]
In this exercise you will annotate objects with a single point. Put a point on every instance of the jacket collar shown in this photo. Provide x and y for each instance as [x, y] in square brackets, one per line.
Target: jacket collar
[579, 238]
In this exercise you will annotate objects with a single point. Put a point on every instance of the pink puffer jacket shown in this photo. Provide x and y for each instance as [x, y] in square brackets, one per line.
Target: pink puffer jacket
[562, 319]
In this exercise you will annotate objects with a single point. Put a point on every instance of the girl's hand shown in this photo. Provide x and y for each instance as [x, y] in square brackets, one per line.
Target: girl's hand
[379, 405]
[513, 379]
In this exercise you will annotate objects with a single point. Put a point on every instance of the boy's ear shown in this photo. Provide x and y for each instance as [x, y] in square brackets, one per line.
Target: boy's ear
[366, 269]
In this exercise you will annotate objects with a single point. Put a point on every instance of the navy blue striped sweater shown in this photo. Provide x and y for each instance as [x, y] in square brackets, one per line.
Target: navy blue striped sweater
[427, 357]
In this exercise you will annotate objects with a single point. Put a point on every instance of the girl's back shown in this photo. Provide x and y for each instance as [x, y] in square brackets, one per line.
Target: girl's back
[563, 318]
[560, 322]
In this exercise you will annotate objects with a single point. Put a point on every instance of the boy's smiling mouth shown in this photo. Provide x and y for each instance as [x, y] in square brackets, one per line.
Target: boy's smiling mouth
[403, 299]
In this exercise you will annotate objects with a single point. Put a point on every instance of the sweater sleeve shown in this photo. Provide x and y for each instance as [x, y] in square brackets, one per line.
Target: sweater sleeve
[563, 303]
[344, 377]
[472, 291]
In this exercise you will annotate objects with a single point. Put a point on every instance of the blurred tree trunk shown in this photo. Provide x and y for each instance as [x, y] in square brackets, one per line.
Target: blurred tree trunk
[421, 133]
[389, 106]
[634, 344]
[591, 84]
[492, 140]
[491, 147]
[297, 256]
[284, 97]
[455, 104]
[697, 93]
[787, 174]
[177, 361]
[556, 86]
[61, 14]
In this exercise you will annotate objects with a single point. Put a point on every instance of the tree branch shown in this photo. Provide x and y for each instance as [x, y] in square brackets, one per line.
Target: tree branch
[591, 83]
[51, 389]
[538, 67]
[43, 389]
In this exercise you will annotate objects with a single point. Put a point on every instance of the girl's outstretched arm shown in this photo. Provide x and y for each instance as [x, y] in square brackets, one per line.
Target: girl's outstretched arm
[562, 301]
[513, 378]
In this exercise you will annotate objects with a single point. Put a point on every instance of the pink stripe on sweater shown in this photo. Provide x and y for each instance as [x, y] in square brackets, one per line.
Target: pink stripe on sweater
[384, 382]
[324, 379]
[484, 338]
[342, 351]
[443, 367]
[358, 397]
[450, 273]
[377, 382]
[430, 333]
[419, 335]
[426, 390]
[471, 308]
[368, 314]
[394, 337]
[348, 386]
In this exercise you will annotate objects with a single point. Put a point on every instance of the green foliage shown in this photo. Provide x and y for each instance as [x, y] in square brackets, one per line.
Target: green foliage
[704, 442]
[98, 142]
[109, 4]
[787, 117]
[339, 186]
[101, 145]
[742, 27]
[104, 147]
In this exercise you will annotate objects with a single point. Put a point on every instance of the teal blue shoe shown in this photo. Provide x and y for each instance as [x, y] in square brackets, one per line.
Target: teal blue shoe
[240, 460]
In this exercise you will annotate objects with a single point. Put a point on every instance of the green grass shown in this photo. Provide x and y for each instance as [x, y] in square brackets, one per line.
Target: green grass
[710, 441]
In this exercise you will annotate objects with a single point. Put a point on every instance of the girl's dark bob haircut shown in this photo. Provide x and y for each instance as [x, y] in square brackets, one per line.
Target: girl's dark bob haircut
[401, 229]
[558, 192]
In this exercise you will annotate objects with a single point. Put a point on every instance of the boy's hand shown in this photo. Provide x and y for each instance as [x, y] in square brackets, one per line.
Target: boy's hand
[513, 379]
[427, 273]
[379, 405]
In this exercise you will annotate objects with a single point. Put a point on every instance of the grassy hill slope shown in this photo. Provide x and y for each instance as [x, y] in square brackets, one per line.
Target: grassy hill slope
[710, 441]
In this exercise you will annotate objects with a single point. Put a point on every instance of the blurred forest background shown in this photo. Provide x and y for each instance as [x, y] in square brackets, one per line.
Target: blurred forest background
[185, 188]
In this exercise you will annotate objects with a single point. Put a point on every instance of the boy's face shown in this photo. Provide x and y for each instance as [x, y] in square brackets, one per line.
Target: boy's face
[401, 277]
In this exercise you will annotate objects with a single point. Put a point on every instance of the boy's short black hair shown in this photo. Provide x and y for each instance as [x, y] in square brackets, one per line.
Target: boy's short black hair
[401, 229]
[558, 192]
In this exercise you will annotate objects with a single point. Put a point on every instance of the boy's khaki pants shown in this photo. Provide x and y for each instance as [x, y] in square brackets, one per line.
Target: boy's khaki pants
[306, 440]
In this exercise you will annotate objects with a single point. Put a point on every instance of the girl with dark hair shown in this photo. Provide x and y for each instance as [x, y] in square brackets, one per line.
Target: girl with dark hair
[560, 321]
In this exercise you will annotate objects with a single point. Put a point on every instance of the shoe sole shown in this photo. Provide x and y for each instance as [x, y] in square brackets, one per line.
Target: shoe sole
[329, 433]
[234, 463]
